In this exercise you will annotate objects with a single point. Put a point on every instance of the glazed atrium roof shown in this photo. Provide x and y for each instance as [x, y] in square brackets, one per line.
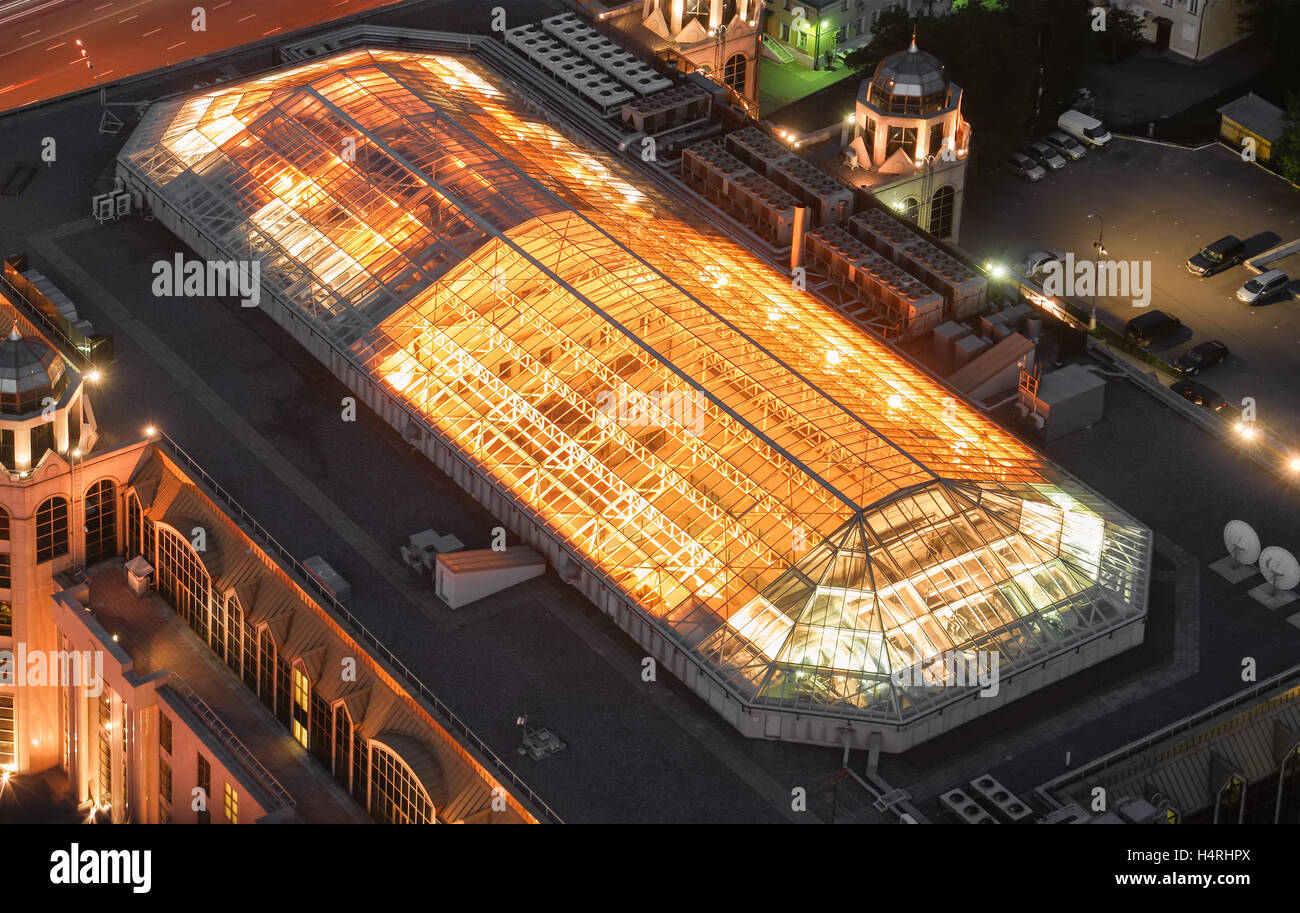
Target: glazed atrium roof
[788, 500]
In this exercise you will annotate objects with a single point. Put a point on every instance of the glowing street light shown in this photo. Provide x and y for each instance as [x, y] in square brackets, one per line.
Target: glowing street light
[1247, 430]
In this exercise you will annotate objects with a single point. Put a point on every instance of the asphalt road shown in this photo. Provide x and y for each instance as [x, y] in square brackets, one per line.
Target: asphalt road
[39, 57]
[1162, 204]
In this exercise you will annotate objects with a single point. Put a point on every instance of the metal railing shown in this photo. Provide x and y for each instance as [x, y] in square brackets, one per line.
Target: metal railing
[308, 582]
[212, 719]
[1047, 791]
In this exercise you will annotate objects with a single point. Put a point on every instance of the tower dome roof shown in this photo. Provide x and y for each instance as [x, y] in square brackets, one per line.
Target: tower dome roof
[910, 81]
[29, 371]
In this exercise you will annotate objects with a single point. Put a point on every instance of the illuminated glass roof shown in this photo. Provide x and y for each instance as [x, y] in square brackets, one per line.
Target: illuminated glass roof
[787, 499]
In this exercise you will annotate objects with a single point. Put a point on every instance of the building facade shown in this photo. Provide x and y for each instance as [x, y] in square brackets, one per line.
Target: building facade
[1191, 28]
[118, 570]
[718, 36]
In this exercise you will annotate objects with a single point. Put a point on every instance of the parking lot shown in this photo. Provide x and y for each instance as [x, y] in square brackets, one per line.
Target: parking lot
[1162, 204]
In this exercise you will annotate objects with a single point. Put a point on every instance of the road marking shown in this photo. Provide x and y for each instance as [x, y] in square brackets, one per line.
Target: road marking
[57, 46]
[30, 34]
[154, 32]
[102, 6]
[220, 5]
[176, 45]
[269, 31]
[246, 18]
[128, 18]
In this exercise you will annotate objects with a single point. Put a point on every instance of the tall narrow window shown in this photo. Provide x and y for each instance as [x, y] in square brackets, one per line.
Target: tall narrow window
[164, 784]
[165, 732]
[101, 521]
[4, 525]
[231, 804]
[301, 706]
[342, 745]
[941, 212]
[6, 729]
[51, 529]
[6, 618]
[205, 784]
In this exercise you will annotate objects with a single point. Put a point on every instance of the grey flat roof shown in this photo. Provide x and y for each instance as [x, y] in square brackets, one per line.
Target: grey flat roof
[1256, 115]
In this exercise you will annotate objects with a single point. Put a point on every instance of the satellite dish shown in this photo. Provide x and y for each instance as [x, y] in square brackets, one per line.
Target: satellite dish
[1280, 568]
[1242, 542]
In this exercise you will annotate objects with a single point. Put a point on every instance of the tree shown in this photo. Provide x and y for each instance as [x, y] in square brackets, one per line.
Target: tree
[1277, 23]
[1286, 151]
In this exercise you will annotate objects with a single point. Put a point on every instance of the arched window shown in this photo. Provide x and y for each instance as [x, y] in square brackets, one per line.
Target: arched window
[51, 529]
[941, 206]
[183, 580]
[101, 521]
[396, 796]
[911, 207]
[734, 72]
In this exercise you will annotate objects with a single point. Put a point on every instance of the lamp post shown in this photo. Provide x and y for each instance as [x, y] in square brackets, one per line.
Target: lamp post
[1101, 252]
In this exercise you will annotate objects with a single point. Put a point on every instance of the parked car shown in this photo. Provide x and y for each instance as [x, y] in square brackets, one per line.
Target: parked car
[1151, 326]
[1198, 358]
[1226, 252]
[1065, 144]
[1199, 394]
[1087, 130]
[1045, 155]
[1023, 165]
[1036, 261]
[1263, 287]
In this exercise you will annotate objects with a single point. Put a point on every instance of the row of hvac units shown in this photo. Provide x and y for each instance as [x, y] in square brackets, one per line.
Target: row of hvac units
[668, 110]
[610, 57]
[880, 288]
[829, 200]
[964, 290]
[737, 189]
[967, 809]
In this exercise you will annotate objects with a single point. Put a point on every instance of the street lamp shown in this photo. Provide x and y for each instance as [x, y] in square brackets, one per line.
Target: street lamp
[1101, 252]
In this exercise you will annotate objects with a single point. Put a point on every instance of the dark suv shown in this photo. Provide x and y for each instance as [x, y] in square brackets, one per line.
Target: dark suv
[1215, 258]
[1151, 326]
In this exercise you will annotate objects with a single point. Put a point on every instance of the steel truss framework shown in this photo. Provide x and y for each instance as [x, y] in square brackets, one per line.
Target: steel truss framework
[789, 500]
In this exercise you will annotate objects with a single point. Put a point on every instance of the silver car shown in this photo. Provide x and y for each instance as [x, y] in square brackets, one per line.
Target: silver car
[1026, 167]
[1045, 155]
[1066, 145]
[1263, 287]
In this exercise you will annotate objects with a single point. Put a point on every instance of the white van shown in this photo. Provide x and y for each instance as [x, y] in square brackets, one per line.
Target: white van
[1087, 130]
